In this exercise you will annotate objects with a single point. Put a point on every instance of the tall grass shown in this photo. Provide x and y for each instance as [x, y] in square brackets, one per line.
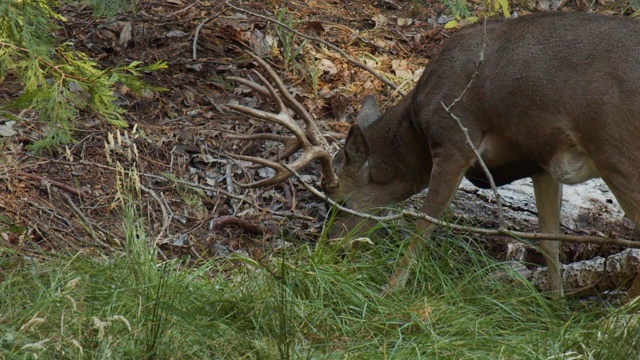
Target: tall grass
[310, 301]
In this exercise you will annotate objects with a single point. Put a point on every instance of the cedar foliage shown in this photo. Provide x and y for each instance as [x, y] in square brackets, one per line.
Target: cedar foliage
[57, 81]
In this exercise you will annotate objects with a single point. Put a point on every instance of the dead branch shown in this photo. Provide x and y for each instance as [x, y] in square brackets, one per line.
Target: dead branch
[58, 184]
[518, 235]
[501, 224]
[230, 220]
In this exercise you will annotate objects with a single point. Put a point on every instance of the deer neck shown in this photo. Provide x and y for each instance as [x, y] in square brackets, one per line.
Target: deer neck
[397, 147]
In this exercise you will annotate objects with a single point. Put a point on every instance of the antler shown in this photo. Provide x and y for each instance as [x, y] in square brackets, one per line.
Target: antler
[312, 141]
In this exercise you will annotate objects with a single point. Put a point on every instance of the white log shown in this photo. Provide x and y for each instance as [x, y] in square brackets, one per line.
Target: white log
[588, 208]
[596, 275]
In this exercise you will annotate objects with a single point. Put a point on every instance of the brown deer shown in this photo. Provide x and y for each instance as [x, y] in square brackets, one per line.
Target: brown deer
[556, 98]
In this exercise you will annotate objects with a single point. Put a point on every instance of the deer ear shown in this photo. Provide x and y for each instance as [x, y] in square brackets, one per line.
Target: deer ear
[356, 150]
[369, 112]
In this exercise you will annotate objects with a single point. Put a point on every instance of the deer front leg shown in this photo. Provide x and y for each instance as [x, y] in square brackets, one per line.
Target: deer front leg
[443, 184]
[548, 193]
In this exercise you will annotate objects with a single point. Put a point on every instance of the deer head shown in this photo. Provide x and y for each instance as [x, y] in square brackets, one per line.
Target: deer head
[351, 177]
[378, 174]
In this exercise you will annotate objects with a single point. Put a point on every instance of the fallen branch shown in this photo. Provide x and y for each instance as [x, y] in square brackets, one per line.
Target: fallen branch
[597, 274]
[58, 184]
[601, 240]
[230, 220]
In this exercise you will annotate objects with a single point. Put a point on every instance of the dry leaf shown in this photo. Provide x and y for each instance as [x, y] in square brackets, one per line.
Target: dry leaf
[404, 21]
[260, 43]
[328, 66]
[125, 35]
[176, 33]
[380, 43]
[314, 27]
[400, 69]
[380, 20]
[6, 129]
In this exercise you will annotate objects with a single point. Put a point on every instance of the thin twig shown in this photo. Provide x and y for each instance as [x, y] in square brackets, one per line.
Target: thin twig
[402, 84]
[231, 220]
[194, 55]
[231, 195]
[228, 178]
[181, 10]
[475, 74]
[328, 44]
[193, 185]
[166, 220]
[488, 232]
[85, 222]
[55, 183]
[501, 223]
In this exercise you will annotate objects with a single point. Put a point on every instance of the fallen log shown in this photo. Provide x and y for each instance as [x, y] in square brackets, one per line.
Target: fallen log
[596, 275]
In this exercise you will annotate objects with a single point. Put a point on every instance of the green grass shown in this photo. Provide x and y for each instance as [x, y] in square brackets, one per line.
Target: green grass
[309, 301]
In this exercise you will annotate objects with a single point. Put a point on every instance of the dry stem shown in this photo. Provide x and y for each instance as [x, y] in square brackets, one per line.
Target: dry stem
[601, 240]
[484, 167]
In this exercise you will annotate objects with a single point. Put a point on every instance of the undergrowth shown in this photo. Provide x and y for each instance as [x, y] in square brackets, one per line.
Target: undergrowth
[307, 301]
[313, 301]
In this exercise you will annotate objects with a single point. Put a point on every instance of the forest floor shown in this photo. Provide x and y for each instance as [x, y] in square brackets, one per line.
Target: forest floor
[69, 199]
[138, 242]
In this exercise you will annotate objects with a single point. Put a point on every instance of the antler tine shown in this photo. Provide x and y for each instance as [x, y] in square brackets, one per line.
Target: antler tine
[255, 87]
[282, 173]
[282, 118]
[313, 132]
[310, 138]
[291, 143]
[274, 94]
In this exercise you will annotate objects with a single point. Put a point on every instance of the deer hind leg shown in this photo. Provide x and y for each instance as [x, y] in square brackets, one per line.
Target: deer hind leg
[548, 193]
[629, 199]
[627, 192]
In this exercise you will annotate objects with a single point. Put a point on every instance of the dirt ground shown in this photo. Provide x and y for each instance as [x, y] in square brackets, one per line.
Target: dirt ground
[69, 200]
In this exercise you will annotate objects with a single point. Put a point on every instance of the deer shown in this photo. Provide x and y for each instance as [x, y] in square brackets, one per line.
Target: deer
[554, 97]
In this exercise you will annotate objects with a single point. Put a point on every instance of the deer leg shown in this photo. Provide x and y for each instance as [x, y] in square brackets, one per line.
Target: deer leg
[443, 185]
[627, 194]
[548, 193]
